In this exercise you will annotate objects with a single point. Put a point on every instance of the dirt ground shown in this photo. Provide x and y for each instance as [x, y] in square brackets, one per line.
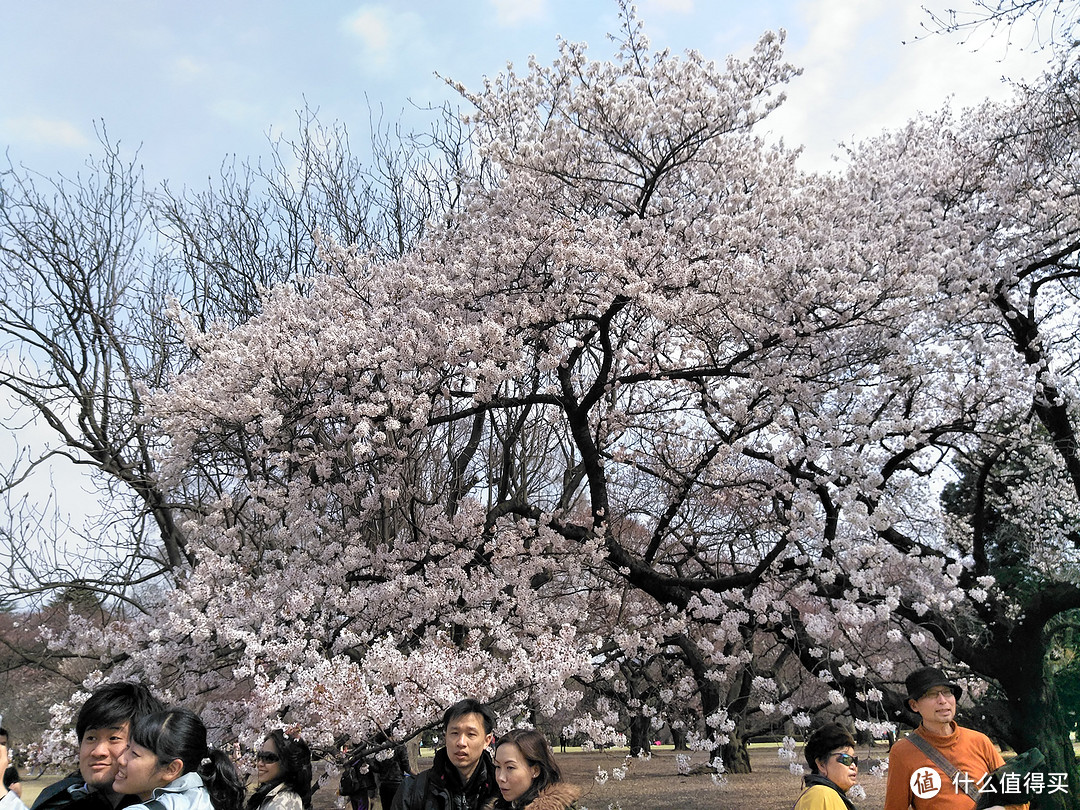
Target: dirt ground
[653, 784]
[657, 785]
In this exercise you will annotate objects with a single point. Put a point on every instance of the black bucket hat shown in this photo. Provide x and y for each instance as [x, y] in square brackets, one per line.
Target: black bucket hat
[923, 680]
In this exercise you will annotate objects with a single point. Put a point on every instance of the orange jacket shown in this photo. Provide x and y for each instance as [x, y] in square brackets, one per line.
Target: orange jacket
[968, 750]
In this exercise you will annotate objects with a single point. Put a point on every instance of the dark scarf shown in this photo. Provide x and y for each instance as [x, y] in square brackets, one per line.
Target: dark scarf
[480, 787]
[818, 779]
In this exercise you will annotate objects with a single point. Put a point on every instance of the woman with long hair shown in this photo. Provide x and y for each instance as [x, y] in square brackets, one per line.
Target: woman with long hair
[169, 765]
[283, 767]
[528, 776]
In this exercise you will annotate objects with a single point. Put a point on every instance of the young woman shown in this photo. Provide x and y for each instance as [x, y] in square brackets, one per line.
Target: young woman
[834, 769]
[168, 764]
[283, 767]
[527, 775]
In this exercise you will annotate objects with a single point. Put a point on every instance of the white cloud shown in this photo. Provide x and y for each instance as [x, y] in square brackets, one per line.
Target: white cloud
[374, 27]
[186, 68]
[387, 37]
[511, 13]
[860, 78]
[43, 132]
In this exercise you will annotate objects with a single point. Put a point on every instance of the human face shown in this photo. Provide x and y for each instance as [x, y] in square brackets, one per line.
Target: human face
[937, 707]
[140, 772]
[99, 755]
[466, 740]
[841, 775]
[267, 762]
[513, 773]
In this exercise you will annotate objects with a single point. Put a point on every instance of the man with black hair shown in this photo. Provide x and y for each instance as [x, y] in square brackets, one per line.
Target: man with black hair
[102, 727]
[940, 765]
[12, 780]
[462, 777]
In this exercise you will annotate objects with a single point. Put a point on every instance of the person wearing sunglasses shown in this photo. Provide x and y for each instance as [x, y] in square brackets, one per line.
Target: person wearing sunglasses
[834, 769]
[283, 768]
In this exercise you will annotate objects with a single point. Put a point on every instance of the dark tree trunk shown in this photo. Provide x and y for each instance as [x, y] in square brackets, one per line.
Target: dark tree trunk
[1038, 722]
[678, 739]
[639, 735]
[735, 752]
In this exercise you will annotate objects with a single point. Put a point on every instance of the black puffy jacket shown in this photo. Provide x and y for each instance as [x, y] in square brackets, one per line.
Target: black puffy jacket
[71, 794]
[440, 788]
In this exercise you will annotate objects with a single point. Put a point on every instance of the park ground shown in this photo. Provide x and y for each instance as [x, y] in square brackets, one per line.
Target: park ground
[653, 783]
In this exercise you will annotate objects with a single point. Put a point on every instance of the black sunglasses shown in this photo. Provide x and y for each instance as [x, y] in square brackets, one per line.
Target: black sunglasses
[847, 760]
[268, 757]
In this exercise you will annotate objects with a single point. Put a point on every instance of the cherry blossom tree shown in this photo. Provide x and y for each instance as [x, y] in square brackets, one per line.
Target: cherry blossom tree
[961, 586]
[329, 442]
[637, 287]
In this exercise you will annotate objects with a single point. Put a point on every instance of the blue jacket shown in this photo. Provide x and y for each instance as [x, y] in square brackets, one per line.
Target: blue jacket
[185, 793]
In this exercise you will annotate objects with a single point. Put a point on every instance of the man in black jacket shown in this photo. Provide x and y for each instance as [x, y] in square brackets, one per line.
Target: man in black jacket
[102, 727]
[462, 777]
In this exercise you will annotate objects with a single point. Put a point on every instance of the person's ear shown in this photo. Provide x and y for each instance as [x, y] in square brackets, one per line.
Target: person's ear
[174, 770]
[822, 766]
[535, 771]
[913, 705]
[489, 739]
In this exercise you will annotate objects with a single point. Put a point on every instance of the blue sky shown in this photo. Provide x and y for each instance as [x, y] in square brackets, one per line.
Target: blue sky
[191, 82]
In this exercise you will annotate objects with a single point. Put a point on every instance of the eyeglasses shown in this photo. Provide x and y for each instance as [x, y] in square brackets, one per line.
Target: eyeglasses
[847, 760]
[267, 757]
[934, 694]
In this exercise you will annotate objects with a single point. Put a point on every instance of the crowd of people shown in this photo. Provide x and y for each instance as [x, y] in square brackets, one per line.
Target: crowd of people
[136, 753]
